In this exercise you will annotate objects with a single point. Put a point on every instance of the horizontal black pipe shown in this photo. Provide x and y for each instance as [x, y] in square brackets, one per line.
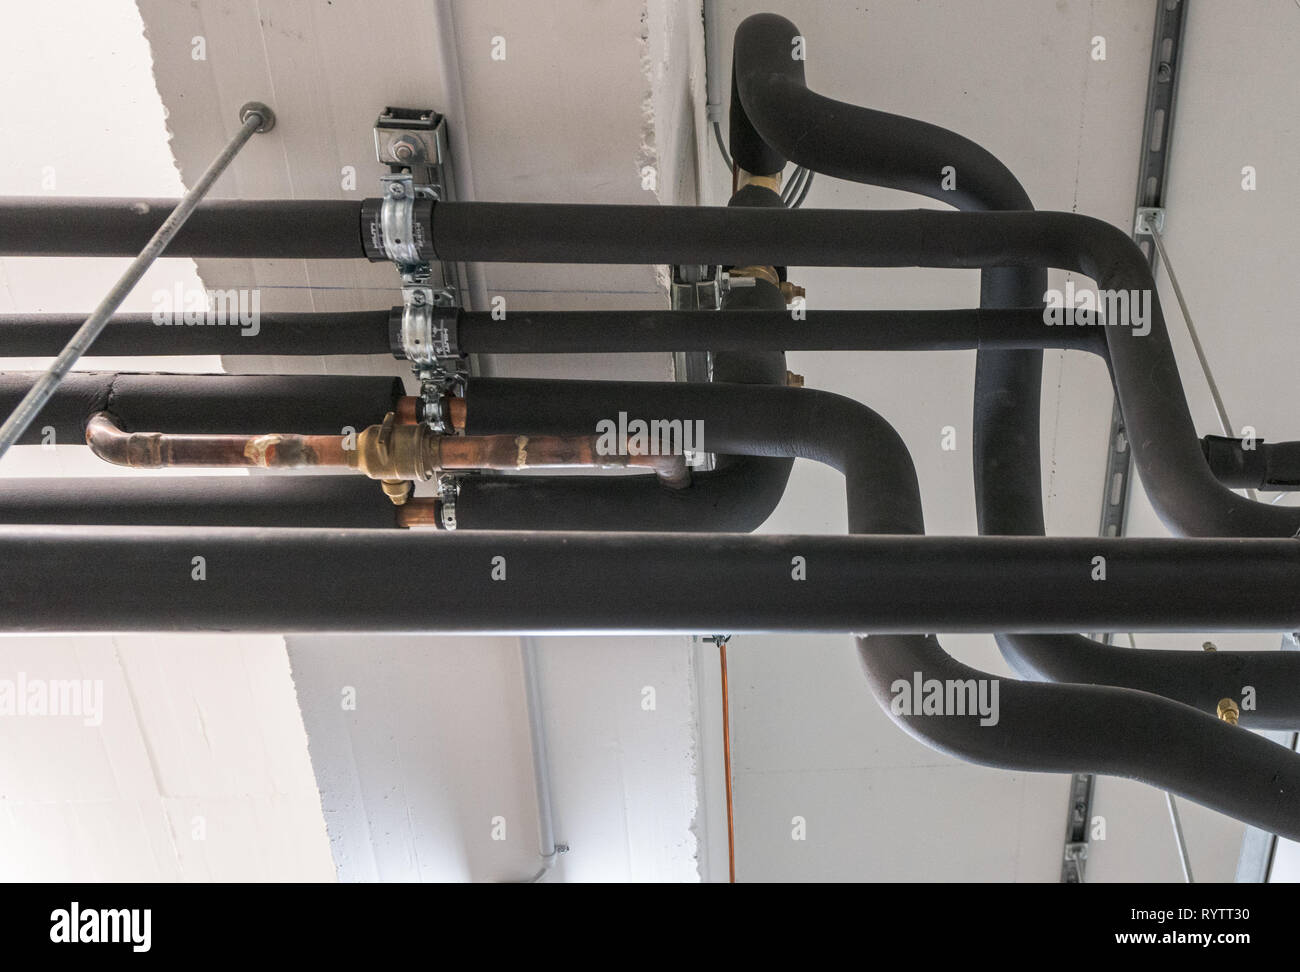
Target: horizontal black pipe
[265, 228]
[1166, 448]
[317, 332]
[373, 580]
[570, 332]
[208, 501]
[539, 332]
[309, 404]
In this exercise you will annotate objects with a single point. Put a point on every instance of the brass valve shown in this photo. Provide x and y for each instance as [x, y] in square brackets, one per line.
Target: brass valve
[396, 452]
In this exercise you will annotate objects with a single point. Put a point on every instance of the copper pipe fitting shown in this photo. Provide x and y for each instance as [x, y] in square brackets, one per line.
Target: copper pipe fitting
[741, 178]
[155, 450]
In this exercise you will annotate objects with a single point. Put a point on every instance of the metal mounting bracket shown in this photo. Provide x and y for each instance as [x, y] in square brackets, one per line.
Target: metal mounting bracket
[413, 143]
[1147, 217]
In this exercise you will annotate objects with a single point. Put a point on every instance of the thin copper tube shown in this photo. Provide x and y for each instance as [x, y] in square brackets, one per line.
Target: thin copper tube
[726, 760]
[506, 452]
[424, 451]
[154, 450]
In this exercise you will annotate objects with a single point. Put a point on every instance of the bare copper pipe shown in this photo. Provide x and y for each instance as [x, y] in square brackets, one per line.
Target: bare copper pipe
[407, 410]
[154, 450]
[726, 761]
[420, 511]
[505, 452]
[414, 453]
[456, 409]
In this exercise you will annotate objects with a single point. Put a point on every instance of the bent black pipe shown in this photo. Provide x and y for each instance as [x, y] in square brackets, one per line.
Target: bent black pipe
[206, 501]
[813, 424]
[262, 228]
[771, 106]
[774, 117]
[1165, 446]
[348, 332]
[757, 421]
[310, 404]
[738, 495]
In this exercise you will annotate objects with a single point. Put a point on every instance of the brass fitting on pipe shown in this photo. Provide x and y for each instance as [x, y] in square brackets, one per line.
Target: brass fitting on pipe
[744, 178]
[758, 273]
[1229, 711]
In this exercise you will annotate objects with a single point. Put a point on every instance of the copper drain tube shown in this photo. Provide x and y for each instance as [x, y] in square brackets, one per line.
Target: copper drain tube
[397, 452]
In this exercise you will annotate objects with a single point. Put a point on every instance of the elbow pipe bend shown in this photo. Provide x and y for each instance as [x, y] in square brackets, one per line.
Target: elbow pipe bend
[1165, 445]
[1066, 727]
[1041, 727]
[775, 116]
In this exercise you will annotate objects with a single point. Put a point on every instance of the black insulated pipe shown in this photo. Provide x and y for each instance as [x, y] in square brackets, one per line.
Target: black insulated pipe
[242, 404]
[270, 332]
[1194, 677]
[771, 103]
[262, 228]
[1253, 464]
[1166, 447]
[738, 494]
[572, 332]
[565, 332]
[199, 501]
[772, 107]
[289, 580]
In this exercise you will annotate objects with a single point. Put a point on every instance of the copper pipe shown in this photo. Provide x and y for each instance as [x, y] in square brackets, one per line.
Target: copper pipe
[726, 760]
[505, 452]
[456, 409]
[420, 511]
[407, 410]
[391, 452]
[154, 450]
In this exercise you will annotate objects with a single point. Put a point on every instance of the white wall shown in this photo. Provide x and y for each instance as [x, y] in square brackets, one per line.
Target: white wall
[195, 766]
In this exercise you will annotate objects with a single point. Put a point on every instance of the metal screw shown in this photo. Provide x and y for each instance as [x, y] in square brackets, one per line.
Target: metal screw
[1229, 711]
[1210, 646]
[1165, 71]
